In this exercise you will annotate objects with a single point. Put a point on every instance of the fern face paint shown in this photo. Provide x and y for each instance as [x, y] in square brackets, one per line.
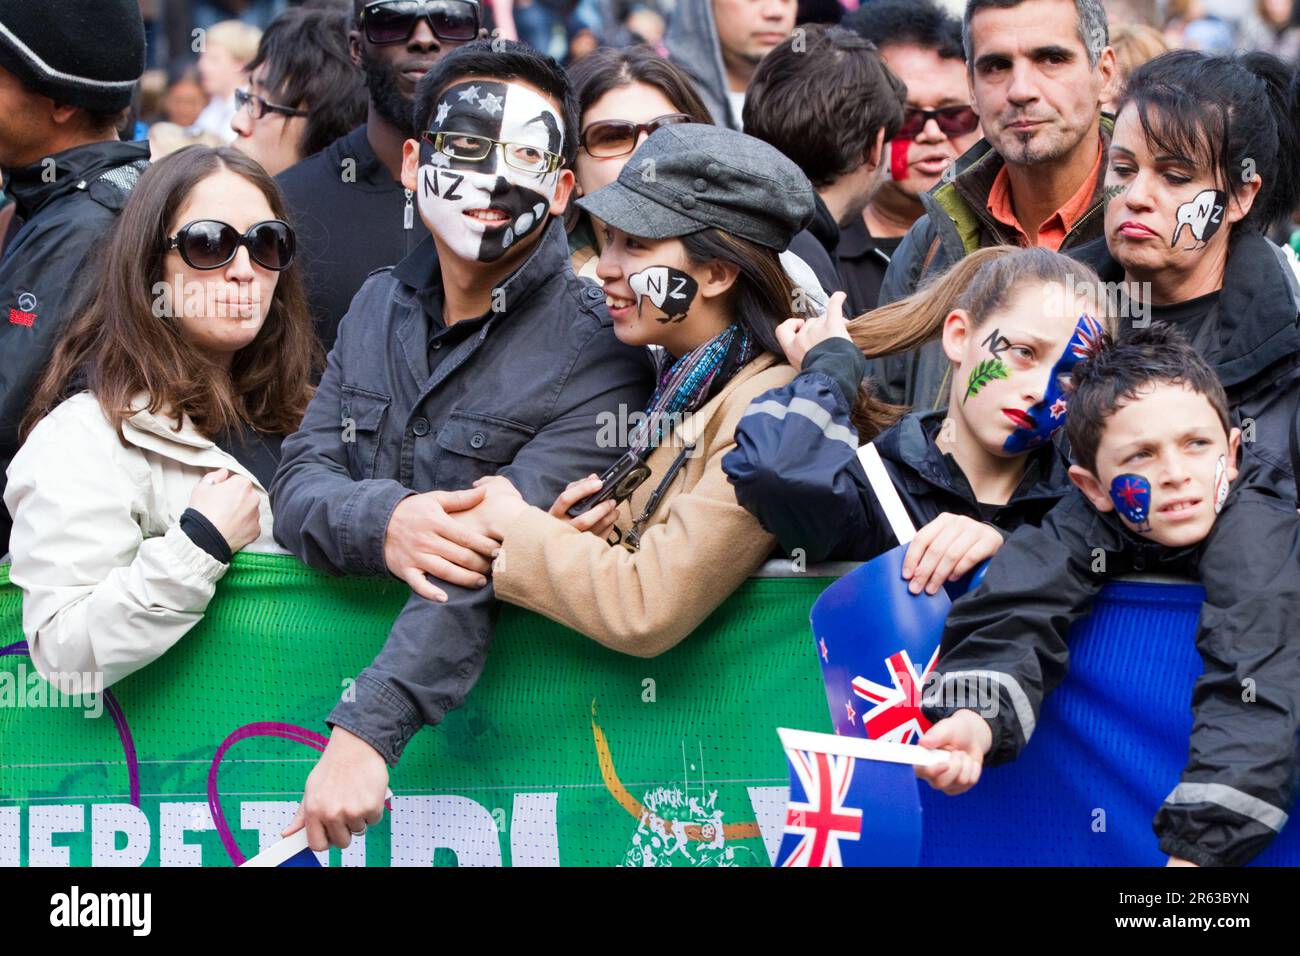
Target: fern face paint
[1048, 414]
[984, 372]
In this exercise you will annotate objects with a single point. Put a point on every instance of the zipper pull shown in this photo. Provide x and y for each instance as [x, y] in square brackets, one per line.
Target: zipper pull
[408, 215]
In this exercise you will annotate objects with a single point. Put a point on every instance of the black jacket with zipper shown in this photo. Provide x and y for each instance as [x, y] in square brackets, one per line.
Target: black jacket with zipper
[351, 218]
[66, 202]
[795, 467]
[1252, 340]
[1009, 632]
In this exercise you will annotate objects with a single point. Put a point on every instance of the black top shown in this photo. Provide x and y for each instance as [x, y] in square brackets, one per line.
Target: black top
[351, 218]
[257, 452]
[863, 261]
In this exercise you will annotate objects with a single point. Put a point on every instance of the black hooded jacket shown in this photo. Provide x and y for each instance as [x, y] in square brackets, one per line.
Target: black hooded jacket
[1010, 632]
[1252, 340]
[66, 203]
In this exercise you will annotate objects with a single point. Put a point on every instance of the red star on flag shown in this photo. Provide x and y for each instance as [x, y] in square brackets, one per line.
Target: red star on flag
[825, 652]
[848, 705]
[1058, 408]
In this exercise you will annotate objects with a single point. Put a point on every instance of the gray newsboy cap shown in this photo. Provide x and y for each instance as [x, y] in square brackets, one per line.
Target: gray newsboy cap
[690, 177]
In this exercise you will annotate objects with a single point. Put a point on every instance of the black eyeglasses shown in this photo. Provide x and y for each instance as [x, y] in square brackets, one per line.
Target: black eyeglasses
[473, 148]
[258, 106]
[605, 139]
[393, 21]
[210, 244]
[952, 120]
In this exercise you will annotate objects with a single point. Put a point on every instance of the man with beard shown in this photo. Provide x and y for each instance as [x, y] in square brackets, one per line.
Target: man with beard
[479, 354]
[349, 207]
[1038, 71]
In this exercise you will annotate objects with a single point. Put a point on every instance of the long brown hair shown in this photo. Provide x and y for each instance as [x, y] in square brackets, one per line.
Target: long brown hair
[762, 294]
[979, 284]
[122, 347]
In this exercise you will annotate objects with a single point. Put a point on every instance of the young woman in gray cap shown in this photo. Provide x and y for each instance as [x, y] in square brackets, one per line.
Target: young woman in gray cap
[693, 230]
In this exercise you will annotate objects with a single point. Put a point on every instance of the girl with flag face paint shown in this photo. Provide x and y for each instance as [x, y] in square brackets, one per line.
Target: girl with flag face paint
[489, 167]
[968, 474]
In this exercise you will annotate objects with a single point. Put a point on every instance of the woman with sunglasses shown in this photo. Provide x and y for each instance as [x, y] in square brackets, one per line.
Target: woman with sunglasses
[303, 90]
[155, 429]
[624, 95]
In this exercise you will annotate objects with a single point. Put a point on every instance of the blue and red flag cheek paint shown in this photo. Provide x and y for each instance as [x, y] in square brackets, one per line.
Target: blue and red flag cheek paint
[1048, 413]
[1132, 497]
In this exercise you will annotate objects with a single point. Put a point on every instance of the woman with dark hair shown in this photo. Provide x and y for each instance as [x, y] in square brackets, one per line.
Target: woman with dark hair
[304, 91]
[638, 559]
[155, 429]
[1201, 165]
[624, 95]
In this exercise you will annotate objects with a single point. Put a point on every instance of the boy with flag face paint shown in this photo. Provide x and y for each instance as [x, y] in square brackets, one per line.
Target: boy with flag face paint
[479, 354]
[1155, 457]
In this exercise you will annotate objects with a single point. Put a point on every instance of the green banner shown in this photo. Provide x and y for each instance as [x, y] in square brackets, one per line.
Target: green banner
[565, 752]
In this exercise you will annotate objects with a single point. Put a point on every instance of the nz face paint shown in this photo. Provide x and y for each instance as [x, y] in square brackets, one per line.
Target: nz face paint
[1203, 216]
[1132, 497]
[1048, 413]
[669, 290]
[508, 203]
[1221, 484]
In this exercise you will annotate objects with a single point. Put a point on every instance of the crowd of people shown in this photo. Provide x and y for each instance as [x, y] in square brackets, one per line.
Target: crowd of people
[595, 310]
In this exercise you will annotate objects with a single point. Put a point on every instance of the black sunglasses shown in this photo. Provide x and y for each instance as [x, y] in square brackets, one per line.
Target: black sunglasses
[393, 21]
[210, 244]
[605, 139]
[952, 120]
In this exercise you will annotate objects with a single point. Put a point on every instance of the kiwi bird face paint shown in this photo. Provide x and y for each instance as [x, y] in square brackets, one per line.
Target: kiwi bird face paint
[481, 207]
[665, 290]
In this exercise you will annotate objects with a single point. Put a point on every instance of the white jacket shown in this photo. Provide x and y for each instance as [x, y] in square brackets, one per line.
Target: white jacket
[110, 581]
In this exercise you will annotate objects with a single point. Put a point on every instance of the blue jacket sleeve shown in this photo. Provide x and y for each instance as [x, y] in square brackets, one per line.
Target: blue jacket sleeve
[795, 464]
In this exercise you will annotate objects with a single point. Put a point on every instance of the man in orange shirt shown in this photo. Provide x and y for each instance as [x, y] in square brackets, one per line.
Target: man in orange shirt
[1038, 72]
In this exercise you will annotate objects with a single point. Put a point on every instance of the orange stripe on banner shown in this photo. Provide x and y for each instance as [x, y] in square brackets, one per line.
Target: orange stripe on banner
[732, 831]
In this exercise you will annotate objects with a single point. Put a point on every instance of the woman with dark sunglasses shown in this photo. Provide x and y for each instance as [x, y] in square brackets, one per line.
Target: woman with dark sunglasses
[155, 429]
[624, 95]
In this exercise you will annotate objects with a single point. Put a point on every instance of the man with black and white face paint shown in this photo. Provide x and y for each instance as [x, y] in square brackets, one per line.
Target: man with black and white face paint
[479, 354]
[489, 167]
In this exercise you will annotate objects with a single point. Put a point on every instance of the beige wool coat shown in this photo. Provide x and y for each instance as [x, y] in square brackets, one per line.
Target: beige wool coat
[696, 549]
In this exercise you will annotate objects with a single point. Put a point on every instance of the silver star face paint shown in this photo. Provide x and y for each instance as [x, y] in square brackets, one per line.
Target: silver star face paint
[489, 186]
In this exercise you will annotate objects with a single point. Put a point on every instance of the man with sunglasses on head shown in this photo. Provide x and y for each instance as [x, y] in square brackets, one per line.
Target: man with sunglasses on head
[63, 92]
[349, 207]
[480, 353]
[827, 101]
[1038, 71]
[921, 44]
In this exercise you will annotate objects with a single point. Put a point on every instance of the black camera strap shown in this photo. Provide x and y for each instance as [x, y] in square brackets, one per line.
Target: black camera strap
[632, 540]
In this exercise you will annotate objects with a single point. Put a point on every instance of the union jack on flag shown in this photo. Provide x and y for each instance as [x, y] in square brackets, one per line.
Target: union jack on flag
[822, 820]
[896, 715]
[1087, 337]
